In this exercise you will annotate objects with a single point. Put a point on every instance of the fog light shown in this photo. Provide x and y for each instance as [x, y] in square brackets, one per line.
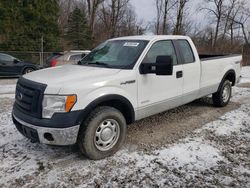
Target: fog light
[48, 137]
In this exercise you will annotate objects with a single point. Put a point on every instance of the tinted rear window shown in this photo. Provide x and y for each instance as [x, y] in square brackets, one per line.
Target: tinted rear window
[186, 51]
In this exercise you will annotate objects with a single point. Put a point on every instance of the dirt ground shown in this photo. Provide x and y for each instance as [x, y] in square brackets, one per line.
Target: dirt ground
[167, 127]
[151, 157]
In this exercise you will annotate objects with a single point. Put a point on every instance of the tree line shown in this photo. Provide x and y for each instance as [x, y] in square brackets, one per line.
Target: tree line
[64, 24]
[81, 24]
[227, 23]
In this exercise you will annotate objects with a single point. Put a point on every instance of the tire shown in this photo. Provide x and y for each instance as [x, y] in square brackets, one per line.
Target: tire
[222, 97]
[28, 70]
[103, 133]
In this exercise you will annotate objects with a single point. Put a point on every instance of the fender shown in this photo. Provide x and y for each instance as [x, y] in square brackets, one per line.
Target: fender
[123, 103]
[231, 71]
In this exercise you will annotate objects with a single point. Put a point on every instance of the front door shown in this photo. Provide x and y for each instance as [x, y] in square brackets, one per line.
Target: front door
[159, 93]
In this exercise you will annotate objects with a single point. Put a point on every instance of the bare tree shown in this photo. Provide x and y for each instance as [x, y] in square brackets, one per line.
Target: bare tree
[92, 7]
[112, 14]
[217, 11]
[179, 18]
[241, 21]
[129, 24]
[163, 8]
[229, 10]
[236, 16]
[241, 18]
[158, 4]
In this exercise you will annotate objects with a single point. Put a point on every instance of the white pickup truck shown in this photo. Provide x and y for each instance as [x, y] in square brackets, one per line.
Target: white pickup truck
[120, 81]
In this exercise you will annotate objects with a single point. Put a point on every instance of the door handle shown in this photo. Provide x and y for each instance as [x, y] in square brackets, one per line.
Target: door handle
[179, 74]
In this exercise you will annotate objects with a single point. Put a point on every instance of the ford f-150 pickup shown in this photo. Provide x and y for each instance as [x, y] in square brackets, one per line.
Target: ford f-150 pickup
[122, 80]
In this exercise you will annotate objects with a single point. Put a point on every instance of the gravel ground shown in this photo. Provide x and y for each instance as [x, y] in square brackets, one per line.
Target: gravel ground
[195, 145]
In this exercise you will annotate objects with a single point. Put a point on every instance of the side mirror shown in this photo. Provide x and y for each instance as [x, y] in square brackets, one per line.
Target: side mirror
[162, 66]
[16, 61]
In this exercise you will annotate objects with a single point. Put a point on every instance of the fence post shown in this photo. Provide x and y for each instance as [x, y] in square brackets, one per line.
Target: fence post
[41, 53]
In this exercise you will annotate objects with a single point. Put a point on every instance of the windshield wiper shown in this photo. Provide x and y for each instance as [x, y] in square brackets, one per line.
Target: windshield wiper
[98, 63]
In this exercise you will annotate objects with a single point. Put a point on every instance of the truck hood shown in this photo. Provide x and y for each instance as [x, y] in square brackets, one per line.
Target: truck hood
[60, 76]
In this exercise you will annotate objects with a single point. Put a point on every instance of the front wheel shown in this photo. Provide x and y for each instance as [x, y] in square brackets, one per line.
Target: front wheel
[103, 133]
[28, 70]
[222, 97]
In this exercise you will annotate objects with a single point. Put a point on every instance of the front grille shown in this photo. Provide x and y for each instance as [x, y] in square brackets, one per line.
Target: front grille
[29, 96]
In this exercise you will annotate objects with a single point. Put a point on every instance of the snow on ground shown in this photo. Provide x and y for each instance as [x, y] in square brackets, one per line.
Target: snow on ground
[217, 155]
[7, 89]
[245, 73]
[229, 123]
[7, 96]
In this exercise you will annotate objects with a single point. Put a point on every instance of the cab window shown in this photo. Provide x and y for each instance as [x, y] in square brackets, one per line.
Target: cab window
[186, 51]
[160, 48]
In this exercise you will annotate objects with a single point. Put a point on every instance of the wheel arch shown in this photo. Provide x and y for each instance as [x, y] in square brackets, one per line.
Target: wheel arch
[28, 66]
[113, 100]
[229, 75]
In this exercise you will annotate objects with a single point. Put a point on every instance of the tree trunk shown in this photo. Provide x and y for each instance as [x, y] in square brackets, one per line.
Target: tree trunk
[164, 25]
[158, 17]
[244, 33]
[179, 20]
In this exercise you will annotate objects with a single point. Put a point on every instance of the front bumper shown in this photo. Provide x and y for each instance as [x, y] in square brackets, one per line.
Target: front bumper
[46, 135]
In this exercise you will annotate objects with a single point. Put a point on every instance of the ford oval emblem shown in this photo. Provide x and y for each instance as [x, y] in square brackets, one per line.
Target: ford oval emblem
[19, 96]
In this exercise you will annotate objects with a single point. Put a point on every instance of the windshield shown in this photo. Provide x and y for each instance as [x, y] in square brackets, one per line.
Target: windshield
[121, 54]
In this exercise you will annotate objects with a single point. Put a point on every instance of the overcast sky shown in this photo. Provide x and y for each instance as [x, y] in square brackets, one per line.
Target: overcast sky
[145, 10]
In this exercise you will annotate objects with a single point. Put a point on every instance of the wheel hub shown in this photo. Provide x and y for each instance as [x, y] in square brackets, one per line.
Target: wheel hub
[225, 93]
[107, 135]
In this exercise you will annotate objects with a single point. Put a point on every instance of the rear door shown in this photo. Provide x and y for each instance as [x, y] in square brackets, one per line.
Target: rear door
[159, 93]
[191, 70]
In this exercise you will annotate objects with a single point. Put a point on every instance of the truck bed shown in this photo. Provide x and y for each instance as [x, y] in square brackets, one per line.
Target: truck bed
[206, 57]
[214, 67]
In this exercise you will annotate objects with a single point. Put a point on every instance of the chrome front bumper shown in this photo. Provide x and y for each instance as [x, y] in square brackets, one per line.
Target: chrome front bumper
[57, 136]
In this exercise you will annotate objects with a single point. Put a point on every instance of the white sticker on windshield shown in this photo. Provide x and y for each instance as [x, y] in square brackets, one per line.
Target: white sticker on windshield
[131, 44]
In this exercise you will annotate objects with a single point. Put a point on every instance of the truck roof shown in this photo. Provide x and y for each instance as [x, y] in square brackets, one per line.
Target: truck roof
[151, 37]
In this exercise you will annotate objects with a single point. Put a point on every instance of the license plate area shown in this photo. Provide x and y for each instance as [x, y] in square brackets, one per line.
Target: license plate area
[30, 133]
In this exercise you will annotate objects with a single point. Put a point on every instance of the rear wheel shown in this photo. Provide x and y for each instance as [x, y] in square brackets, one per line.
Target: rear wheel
[222, 97]
[28, 70]
[103, 133]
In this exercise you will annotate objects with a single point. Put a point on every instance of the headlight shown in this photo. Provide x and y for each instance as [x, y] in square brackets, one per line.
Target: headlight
[57, 103]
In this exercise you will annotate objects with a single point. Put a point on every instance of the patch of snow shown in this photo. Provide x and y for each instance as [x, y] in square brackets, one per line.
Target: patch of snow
[238, 93]
[231, 122]
[194, 154]
[7, 89]
[11, 96]
[245, 75]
